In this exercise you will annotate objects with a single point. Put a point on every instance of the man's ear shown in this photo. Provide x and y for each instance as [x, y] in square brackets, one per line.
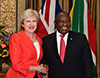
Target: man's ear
[55, 29]
[55, 23]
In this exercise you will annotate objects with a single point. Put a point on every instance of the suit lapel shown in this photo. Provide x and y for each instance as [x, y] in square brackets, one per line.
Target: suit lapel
[68, 47]
[54, 46]
[70, 43]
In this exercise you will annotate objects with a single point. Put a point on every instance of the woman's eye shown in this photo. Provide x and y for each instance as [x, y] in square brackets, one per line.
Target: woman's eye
[31, 21]
[28, 21]
[34, 20]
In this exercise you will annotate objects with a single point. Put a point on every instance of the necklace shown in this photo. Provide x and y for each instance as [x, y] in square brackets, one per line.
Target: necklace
[34, 39]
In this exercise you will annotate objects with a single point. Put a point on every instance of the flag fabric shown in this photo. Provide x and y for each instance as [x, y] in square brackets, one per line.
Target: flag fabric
[47, 15]
[81, 22]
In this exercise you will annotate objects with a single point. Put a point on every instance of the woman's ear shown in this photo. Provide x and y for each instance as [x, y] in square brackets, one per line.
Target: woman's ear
[22, 25]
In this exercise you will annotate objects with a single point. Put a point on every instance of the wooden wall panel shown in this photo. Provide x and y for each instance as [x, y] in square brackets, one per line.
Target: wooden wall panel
[98, 37]
[7, 8]
[20, 8]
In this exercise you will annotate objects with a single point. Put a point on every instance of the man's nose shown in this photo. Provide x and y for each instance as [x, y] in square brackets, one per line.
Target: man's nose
[65, 23]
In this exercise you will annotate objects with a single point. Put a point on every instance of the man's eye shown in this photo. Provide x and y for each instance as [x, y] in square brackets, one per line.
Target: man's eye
[67, 21]
[61, 21]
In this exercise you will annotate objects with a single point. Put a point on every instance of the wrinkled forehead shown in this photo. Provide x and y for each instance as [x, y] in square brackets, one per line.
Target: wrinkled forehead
[31, 16]
[61, 15]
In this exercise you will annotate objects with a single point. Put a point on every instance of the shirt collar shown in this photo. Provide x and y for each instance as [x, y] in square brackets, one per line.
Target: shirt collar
[58, 34]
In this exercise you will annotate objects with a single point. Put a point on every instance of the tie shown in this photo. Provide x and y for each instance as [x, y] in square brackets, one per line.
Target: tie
[62, 48]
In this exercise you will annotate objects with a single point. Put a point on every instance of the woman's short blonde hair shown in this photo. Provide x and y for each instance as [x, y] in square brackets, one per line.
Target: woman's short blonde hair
[28, 13]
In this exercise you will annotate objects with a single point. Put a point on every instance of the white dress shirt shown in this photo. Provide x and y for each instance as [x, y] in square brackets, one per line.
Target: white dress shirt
[59, 38]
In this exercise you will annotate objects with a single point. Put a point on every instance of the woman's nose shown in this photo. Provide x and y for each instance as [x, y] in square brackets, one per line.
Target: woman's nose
[32, 23]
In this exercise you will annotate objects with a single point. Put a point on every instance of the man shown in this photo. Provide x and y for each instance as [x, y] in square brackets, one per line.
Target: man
[77, 62]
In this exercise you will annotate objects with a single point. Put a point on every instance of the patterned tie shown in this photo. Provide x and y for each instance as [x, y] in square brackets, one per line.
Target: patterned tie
[62, 48]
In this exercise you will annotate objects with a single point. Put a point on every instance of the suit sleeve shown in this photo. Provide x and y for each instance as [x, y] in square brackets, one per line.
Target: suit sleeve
[16, 55]
[44, 59]
[87, 60]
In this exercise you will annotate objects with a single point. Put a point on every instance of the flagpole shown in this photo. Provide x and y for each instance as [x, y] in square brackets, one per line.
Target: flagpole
[24, 4]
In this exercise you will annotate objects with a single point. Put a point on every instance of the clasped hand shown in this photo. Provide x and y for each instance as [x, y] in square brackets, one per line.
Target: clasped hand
[43, 69]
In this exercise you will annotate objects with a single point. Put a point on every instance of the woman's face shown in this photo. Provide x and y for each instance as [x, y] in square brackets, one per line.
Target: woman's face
[30, 24]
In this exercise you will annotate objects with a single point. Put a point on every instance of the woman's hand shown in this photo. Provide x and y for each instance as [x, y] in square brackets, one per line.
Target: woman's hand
[44, 69]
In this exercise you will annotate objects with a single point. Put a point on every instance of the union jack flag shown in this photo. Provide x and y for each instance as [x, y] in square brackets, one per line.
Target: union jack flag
[47, 15]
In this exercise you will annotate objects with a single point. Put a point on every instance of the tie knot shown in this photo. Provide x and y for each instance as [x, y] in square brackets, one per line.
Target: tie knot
[62, 36]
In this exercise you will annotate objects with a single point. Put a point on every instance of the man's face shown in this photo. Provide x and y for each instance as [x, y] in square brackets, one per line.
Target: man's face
[62, 23]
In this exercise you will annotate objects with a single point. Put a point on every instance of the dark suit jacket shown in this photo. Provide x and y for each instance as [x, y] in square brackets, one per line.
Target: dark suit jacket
[77, 62]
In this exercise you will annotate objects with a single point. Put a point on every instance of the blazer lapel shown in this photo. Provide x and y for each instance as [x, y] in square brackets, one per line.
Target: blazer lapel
[40, 43]
[31, 45]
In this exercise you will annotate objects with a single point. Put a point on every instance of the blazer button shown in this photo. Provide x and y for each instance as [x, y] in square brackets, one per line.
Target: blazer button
[35, 59]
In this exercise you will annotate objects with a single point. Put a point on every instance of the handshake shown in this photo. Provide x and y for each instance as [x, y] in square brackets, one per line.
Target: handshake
[43, 69]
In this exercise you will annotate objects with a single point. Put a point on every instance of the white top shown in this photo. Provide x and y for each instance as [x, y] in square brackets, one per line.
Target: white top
[59, 38]
[37, 46]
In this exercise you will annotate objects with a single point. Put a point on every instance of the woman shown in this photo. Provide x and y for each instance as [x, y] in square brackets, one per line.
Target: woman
[26, 49]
